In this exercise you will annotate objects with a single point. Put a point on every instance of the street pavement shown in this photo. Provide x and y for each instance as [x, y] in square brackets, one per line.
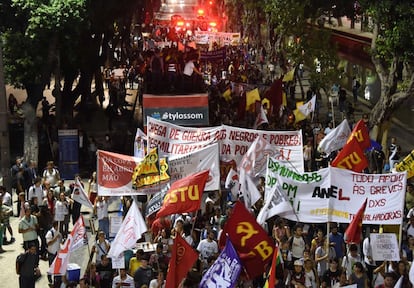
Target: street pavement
[8, 276]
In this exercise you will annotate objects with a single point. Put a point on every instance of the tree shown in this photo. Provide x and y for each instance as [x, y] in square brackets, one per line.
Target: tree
[392, 53]
[31, 45]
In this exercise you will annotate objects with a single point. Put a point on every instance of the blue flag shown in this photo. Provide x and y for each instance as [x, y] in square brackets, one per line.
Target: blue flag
[224, 271]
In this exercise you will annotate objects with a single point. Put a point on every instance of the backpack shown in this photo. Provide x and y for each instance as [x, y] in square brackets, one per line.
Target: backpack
[21, 258]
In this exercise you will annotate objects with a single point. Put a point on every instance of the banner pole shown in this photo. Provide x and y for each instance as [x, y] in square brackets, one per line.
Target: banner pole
[328, 228]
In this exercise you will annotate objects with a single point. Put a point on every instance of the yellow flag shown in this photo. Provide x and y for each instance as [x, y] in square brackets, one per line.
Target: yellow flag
[251, 97]
[227, 94]
[284, 99]
[289, 76]
[298, 115]
[407, 164]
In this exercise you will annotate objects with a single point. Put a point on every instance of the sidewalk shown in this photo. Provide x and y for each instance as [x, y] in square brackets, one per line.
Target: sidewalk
[80, 256]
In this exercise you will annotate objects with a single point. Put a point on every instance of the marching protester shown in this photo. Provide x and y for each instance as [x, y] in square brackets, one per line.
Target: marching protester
[27, 267]
[28, 227]
[5, 212]
[101, 211]
[101, 246]
[309, 250]
[6, 201]
[53, 240]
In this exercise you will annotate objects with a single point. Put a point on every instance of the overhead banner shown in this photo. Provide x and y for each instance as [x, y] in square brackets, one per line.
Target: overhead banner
[221, 38]
[116, 171]
[286, 146]
[187, 110]
[331, 194]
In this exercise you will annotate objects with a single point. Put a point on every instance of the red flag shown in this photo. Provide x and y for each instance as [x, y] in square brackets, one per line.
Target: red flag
[254, 246]
[354, 230]
[76, 239]
[361, 135]
[351, 157]
[182, 259]
[184, 195]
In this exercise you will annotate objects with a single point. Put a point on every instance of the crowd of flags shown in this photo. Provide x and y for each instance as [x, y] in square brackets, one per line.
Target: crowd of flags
[246, 248]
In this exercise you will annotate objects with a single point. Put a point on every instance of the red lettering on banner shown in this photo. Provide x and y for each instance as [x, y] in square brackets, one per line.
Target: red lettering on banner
[240, 149]
[174, 134]
[158, 130]
[242, 136]
[220, 135]
[391, 178]
[285, 140]
[377, 203]
[341, 197]
[196, 136]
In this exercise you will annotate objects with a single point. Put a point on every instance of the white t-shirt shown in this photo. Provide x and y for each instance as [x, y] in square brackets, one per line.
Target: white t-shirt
[7, 199]
[52, 176]
[55, 246]
[36, 191]
[207, 248]
[127, 282]
[154, 284]
[189, 68]
[61, 210]
[101, 209]
[101, 250]
[298, 247]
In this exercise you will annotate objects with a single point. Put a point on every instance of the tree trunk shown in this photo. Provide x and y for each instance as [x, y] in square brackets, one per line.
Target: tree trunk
[31, 145]
[4, 130]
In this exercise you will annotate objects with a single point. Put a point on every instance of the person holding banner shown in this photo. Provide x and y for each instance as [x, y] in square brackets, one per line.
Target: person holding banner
[101, 211]
[53, 240]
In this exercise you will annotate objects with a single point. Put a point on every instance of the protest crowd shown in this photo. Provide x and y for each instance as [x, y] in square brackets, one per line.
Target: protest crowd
[236, 234]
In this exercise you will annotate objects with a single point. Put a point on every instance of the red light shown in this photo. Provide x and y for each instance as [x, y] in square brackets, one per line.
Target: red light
[211, 2]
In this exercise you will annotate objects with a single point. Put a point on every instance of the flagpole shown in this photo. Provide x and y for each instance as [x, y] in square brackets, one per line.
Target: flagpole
[328, 230]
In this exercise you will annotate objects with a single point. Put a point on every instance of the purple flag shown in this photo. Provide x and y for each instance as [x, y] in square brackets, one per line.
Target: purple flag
[224, 271]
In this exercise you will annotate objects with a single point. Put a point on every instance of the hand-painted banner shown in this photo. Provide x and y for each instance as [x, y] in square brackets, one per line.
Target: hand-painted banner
[331, 194]
[115, 171]
[233, 142]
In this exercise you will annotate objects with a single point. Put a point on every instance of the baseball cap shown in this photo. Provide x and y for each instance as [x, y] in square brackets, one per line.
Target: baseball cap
[298, 263]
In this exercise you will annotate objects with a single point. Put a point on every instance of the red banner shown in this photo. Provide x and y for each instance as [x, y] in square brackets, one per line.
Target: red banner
[361, 135]
[351, 157]
[254, 246]
[354, 231]
[182, 259]
[184, 194]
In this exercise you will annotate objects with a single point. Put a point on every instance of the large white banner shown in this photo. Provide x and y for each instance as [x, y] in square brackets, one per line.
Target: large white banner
[334, 194]
[115, 171]
[286, 146]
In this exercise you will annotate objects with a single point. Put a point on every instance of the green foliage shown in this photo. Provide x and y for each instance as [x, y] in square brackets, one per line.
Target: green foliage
[396, 28]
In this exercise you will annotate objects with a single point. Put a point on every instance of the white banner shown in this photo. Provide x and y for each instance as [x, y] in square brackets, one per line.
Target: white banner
[384, 247]
[332, 194]
[221, 38]
[115, 171]
[287, 146]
